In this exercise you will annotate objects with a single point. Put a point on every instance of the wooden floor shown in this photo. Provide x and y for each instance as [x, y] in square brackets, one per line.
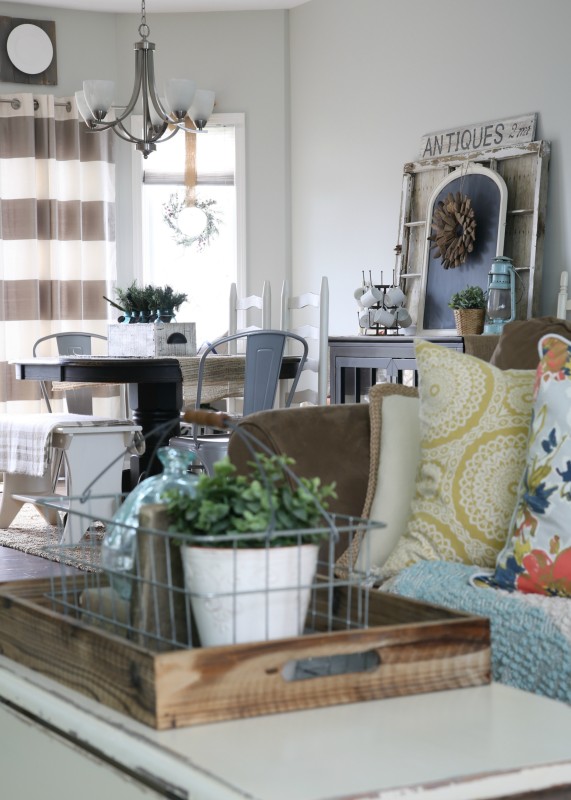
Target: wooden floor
[15, 565]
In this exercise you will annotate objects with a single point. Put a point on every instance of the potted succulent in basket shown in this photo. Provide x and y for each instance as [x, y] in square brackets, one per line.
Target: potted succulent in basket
[469, 307]
[249, 549]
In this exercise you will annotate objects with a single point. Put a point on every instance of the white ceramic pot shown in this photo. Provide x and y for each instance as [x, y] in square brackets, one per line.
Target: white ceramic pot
[249, 595]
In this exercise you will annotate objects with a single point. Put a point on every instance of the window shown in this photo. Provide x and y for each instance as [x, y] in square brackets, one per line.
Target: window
[205, 274]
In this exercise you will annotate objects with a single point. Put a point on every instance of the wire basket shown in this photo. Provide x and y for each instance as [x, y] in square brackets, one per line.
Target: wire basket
[161, 599]
[160, 612]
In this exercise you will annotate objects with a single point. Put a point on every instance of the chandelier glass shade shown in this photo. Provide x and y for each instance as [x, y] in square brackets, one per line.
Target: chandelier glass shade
[181, 107]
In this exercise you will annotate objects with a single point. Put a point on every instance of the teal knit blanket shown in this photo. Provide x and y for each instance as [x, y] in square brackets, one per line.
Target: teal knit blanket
[531, 634]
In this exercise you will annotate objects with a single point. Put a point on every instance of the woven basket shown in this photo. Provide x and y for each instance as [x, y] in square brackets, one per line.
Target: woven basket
[469, 320]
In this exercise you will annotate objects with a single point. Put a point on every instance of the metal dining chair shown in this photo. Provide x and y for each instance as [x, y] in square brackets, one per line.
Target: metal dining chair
[72, 343]
[263, 361]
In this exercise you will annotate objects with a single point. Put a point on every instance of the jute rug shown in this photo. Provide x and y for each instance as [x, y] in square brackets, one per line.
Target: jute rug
[30, 533]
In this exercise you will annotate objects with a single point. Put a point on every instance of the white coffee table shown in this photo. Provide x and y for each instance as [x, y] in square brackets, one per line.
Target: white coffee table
[485, 742]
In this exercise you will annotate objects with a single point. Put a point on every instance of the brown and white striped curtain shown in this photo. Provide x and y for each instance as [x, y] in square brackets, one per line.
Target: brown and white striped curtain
[57, 232]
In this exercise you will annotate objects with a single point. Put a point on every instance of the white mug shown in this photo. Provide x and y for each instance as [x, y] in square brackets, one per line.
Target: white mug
[403, 317]
[384, 317]
[365, 319]
[394, 297]
[371, 296]
[358, 294]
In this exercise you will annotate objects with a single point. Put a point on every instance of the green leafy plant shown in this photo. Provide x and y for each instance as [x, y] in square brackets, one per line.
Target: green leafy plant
[470, 297]
[229, 503]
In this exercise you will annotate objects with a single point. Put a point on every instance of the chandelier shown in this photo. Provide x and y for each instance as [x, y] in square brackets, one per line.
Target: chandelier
[183, 107]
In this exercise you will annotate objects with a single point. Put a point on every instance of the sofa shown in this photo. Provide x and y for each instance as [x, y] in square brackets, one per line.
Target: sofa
[414, 555]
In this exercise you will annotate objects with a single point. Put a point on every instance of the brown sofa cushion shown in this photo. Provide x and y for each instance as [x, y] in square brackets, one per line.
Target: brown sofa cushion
[517, 345]
[480, 345]
[331, 442]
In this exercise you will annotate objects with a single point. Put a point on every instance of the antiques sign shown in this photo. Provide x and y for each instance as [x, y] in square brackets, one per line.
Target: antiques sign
[479, 136]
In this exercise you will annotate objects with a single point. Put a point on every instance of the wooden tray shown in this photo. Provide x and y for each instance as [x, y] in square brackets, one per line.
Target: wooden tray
[412, 648]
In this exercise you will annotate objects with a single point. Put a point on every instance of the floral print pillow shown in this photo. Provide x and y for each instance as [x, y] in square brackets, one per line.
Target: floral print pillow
[537, 555]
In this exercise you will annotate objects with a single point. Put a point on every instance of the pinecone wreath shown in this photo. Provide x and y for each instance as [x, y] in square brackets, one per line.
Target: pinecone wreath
[454, 226]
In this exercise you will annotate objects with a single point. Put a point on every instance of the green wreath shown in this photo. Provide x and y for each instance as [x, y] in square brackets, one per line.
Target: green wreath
[171, 212]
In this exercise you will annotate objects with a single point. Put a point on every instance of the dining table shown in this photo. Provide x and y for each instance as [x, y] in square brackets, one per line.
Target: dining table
[158, 388]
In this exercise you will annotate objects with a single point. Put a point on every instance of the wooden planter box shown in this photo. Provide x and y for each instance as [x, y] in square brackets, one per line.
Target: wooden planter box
[410, 647]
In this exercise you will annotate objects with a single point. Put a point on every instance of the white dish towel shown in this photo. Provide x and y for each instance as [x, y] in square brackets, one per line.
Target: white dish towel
[25, 440]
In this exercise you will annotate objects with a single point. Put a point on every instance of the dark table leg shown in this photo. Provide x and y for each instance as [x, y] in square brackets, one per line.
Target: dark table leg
[156, 408]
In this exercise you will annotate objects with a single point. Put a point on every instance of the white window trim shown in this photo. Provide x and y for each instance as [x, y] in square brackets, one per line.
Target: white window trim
[238, 120]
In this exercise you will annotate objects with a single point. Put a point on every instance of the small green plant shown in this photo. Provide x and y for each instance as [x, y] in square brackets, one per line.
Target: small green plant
[470, 297]
[132, 299]
[228, 503]
[147, 299]
[165, 298]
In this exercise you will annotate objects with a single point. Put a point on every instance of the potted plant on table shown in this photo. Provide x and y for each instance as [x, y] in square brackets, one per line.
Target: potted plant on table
[469, 306]
[132, 302]
[165, 302]
[148, 303]
[249, 549]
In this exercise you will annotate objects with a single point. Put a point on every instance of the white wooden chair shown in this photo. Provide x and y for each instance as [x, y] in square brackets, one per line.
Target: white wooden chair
[563, 301]
[315, 332]
[238, 318]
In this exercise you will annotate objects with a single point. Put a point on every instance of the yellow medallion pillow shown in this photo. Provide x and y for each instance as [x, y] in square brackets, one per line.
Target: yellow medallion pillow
[474, 424]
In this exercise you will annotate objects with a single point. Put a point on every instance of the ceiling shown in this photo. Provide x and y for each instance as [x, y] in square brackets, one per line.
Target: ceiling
[162, 6]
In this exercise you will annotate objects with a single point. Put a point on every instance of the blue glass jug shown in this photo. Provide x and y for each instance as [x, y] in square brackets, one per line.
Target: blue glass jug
[118, 548]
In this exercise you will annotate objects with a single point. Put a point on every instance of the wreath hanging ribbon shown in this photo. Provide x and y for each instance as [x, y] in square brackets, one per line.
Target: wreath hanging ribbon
[454, 226]
[190, 165]
[176, 204]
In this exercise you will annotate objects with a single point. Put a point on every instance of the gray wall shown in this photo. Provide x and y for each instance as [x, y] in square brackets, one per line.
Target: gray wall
[368, 78]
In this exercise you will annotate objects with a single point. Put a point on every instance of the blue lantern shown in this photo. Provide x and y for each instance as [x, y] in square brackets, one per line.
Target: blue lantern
[500, 307]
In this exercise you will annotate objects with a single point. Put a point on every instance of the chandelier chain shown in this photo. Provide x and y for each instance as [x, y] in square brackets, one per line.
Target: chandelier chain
[144, 29]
